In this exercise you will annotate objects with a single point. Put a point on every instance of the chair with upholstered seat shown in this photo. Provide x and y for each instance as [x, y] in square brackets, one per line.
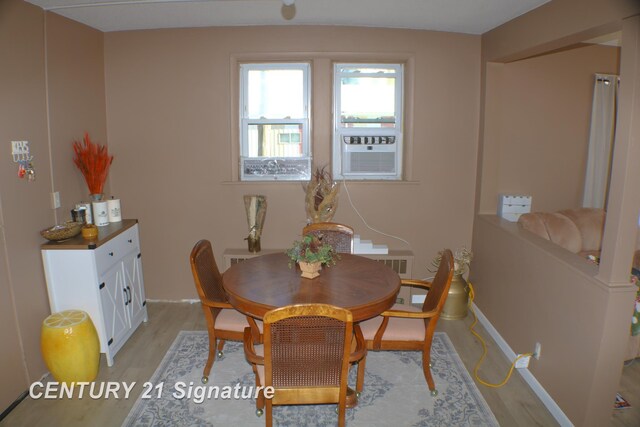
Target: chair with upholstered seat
[305, 356]
[337, 235]
[405, 327]
[223, 321]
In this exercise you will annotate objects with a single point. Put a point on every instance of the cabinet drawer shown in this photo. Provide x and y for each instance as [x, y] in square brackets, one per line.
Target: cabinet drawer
[113, 251]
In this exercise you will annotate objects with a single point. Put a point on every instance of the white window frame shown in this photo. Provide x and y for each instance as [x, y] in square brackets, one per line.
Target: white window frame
[340, 149]
[275, 168]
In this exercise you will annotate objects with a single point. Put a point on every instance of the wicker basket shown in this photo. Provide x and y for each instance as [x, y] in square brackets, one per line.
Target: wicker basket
[61, 232]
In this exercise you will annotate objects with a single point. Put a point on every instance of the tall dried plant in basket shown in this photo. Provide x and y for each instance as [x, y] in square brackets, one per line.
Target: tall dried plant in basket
[93, 161]
[321, 196]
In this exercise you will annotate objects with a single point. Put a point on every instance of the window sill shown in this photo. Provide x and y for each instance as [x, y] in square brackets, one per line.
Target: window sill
[350, 183]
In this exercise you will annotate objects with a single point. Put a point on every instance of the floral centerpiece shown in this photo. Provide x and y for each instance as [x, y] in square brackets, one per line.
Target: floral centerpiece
[310, 253]
[93, 160]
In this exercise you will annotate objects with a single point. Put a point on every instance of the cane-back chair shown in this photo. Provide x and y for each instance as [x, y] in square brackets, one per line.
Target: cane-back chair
[405, 327]
[337, 235]
[305, 356]
[223, 321]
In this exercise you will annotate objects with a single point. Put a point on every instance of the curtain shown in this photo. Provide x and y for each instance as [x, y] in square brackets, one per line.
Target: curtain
[603, 113]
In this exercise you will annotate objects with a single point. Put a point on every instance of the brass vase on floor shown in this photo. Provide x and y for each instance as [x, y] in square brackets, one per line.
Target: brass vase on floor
[457, 301]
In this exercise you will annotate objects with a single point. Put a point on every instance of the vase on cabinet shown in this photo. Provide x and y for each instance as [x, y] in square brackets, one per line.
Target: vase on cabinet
[256, 209]
[253, 244]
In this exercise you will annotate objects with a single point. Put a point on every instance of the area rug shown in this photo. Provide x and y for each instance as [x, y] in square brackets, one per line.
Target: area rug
[395, 391]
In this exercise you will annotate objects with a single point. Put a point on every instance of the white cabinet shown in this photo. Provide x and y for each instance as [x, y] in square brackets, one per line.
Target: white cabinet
[103, 278]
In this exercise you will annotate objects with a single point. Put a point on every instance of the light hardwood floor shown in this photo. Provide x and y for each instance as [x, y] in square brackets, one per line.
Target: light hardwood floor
[630, 390]
[513, 405]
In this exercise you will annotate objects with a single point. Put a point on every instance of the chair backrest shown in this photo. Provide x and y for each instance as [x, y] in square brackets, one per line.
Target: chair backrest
[441, 282]
[337, 235]
[307, 347]
[205, 271]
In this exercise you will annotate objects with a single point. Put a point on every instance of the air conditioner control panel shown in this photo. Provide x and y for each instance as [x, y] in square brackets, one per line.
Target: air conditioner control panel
[368, 140]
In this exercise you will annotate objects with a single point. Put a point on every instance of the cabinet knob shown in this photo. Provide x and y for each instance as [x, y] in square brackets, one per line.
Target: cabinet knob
[110, 253]
[130, 241]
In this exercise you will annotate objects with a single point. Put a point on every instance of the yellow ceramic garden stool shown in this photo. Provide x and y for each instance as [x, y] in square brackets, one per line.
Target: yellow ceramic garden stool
[70, 346]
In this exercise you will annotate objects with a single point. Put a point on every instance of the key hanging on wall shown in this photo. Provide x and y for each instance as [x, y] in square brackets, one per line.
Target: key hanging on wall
[21, 156]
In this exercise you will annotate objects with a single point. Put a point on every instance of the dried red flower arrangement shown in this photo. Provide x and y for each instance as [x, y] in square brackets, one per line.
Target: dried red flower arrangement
[93, 161]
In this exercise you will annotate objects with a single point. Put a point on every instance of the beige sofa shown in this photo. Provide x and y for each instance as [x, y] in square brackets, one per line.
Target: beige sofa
[578, 231]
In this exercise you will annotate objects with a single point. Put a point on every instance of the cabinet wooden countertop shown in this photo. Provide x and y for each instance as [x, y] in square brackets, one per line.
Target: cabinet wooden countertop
[105, 233]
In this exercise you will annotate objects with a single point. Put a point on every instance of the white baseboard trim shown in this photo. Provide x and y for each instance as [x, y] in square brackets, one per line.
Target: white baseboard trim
[528, 377]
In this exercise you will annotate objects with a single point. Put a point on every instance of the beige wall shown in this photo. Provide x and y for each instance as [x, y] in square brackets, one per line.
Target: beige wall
[555, 25]
[171, 125]
[538, 126]
[623, 205]
[25, 210]
[25, 207]
[75, 70]
[534, 291]
[584, 387]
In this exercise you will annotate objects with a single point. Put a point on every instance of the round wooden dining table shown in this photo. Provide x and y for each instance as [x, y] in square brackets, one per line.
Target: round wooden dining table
[364, 286]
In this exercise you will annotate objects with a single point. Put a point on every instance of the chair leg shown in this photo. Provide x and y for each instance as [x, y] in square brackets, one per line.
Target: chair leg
[341, 415]
[360, 377]
[210, 359]
[260, 399]
[426, 367]
[269, 414]
[260, 405]
[220, 347]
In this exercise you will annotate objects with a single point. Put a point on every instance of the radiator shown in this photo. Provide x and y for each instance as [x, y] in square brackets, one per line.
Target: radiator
[400, 261]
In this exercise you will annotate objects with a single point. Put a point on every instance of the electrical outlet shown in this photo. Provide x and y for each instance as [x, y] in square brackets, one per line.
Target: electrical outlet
[537, 351]
[55, 200]
[418, 299]
[523, 362]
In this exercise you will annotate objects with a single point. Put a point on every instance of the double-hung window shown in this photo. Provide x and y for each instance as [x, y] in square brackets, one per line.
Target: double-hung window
[274, 121]
[367, 121]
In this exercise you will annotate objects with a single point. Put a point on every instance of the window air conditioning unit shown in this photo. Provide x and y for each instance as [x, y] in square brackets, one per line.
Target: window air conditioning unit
[371, 156]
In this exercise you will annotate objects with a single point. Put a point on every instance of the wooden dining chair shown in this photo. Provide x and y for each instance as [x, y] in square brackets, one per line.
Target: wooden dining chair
[337, 235]
[223, 321]
[305, 356]
[405, 327]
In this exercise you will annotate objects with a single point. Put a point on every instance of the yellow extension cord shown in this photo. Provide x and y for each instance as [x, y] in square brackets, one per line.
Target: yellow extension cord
[484, 348]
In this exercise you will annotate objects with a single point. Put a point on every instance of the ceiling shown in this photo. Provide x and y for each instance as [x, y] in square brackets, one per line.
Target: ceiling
[461, 16]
